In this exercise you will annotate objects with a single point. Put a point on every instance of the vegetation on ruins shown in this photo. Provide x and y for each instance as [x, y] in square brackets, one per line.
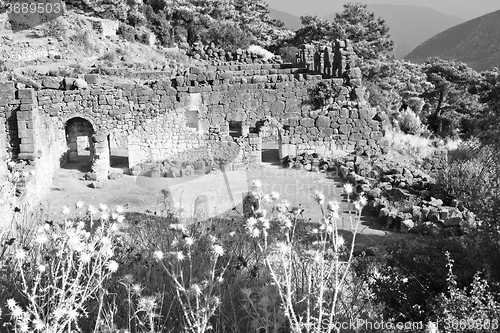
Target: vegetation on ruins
[370, 35]
[232, 23]
[268, 269]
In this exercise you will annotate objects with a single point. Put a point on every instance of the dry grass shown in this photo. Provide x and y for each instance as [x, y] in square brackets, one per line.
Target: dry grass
[417, 146]
[261, 51]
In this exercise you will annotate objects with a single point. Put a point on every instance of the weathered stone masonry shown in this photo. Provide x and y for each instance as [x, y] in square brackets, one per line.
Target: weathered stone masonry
[185, 115]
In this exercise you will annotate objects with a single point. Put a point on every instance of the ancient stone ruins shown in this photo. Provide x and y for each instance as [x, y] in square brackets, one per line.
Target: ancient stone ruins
[190, 120]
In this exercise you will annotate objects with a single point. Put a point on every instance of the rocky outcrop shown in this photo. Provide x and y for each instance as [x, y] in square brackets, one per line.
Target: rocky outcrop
[404, 198]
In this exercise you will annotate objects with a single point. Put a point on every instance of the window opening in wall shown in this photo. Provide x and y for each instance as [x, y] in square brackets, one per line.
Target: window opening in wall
[270, 153]
[236, 129]
[118, 150]
[192, 119]
[253, 130]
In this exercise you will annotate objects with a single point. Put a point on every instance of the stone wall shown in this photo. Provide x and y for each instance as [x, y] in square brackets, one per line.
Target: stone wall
[105, 27]
[29, 146]
[7, 189]
[436, 162]
[172, 117]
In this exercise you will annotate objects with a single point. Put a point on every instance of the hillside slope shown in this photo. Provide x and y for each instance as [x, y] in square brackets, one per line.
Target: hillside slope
[70, 45]
[475, 42]
[291, 21]
[410, 25]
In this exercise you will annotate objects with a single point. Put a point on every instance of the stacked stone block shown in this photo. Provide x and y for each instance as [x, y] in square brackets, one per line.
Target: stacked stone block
[437, 161]
[27, 122]
[100, 159]
[333, 60]
[8, 108]
[153, 115]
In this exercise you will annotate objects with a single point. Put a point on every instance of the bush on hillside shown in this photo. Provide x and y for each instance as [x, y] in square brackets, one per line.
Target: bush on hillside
[410, 123]
[226, 35]
[57, 28]
[131, 34]
[473, 307]
[260, 52]
[323, 93]
[161, 27]
[473, 179]
[413, 274]
[288, 53]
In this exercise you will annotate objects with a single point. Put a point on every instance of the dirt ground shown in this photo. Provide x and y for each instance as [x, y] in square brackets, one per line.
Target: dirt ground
[222, 192]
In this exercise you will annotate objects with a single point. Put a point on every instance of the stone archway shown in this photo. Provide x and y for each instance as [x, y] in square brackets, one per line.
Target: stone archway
[80, 142]
[87, 149]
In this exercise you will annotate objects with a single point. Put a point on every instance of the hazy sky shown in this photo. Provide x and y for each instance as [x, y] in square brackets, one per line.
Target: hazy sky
[467, 9]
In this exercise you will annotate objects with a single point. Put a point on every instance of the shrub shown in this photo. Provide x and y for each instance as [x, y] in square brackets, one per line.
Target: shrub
[324, 93]
[289, 53]
[176, 57]
[261, 52]
[473, 179]
[109, 57]
[57, 28]
[84, 39]
[413, 274]
[63, 271]
[309, 266]
[410, 123]
[132, 35]
[158, 23]
[467, 309]
[226, 35]
[127, 32]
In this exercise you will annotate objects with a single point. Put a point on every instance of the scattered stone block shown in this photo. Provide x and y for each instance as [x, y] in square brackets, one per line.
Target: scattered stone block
[115, 175]
[96, 184]
[188, 172]
[407, 225]
[91, 78]
[51, 83]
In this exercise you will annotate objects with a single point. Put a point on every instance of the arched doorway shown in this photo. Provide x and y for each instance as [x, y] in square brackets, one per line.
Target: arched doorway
[79, 138]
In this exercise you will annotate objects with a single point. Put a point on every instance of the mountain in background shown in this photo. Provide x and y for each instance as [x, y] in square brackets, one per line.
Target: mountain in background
[410, 25]
[291, 21]
[475, 42]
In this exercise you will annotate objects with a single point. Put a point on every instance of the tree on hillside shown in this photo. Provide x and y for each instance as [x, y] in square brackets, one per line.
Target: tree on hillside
[196, 20]
[449, 100]
[315, 30]
[253, 17]
[488, 90]
[395, 84]
[110, 9]
[369, 34]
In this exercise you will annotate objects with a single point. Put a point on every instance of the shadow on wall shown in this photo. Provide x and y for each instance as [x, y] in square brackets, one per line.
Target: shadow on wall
[204, 183]
[198, 185]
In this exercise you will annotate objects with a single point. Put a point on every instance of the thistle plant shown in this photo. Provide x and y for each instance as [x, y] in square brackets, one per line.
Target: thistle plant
[264, 309]
[142, 310]
[310, 270]
[195, 268]
[73, 259]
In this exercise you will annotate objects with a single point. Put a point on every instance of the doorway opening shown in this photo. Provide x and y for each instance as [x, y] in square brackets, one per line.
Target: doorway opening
[118, 150]
[81, 151]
